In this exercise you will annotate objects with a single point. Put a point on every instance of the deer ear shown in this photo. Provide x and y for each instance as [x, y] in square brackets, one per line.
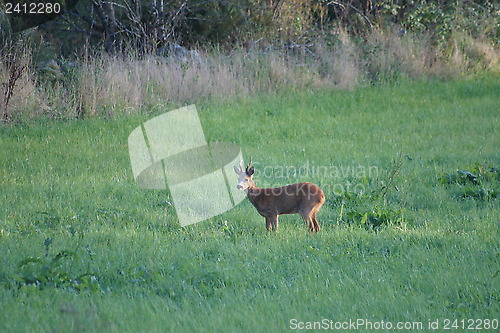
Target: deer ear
[237, 169]
[250, 172]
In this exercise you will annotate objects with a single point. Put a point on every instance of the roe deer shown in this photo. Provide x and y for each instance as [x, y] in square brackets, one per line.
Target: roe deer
[303, 198]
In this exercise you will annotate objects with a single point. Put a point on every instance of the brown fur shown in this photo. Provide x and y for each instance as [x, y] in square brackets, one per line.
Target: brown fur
[305, 199]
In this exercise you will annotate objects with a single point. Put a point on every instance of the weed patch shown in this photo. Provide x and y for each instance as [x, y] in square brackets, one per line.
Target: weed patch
[480, 182]
[370, 208]
[55, 271]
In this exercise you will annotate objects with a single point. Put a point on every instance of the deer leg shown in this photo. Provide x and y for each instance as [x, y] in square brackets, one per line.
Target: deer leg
[272, 222]
[306, 215]
[275, 223]
[315, 221]
[311, 225]
[268, 223]
[315, 210]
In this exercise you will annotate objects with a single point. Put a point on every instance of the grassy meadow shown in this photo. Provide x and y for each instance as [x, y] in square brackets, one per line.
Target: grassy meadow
[409, 229]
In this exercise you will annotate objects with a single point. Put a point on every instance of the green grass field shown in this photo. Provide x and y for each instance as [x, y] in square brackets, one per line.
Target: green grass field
[83, 249]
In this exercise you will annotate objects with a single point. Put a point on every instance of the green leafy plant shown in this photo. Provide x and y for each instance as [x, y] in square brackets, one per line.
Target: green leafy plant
[375, 217]
[55, 271]
[370, 208]
[480, 182]
[430, 18]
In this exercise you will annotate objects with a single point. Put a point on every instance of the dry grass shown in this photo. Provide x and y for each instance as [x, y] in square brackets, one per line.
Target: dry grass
[18, 85]
[105, 84]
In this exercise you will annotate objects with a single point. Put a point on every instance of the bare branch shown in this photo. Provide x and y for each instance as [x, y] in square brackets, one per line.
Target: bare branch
[337, 3]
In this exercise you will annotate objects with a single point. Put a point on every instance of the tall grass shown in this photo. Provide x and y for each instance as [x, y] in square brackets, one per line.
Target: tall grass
[102, 84]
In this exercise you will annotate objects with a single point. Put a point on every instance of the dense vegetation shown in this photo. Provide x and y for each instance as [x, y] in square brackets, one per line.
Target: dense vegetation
[100, 57]
[152, 24]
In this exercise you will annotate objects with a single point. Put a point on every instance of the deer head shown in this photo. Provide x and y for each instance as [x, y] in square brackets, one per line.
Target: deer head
[245, 180]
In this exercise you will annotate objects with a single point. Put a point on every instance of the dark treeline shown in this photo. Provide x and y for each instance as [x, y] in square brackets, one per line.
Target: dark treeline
[152, 24]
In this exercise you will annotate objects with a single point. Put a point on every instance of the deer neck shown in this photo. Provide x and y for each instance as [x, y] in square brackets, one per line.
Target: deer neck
[253, 193]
